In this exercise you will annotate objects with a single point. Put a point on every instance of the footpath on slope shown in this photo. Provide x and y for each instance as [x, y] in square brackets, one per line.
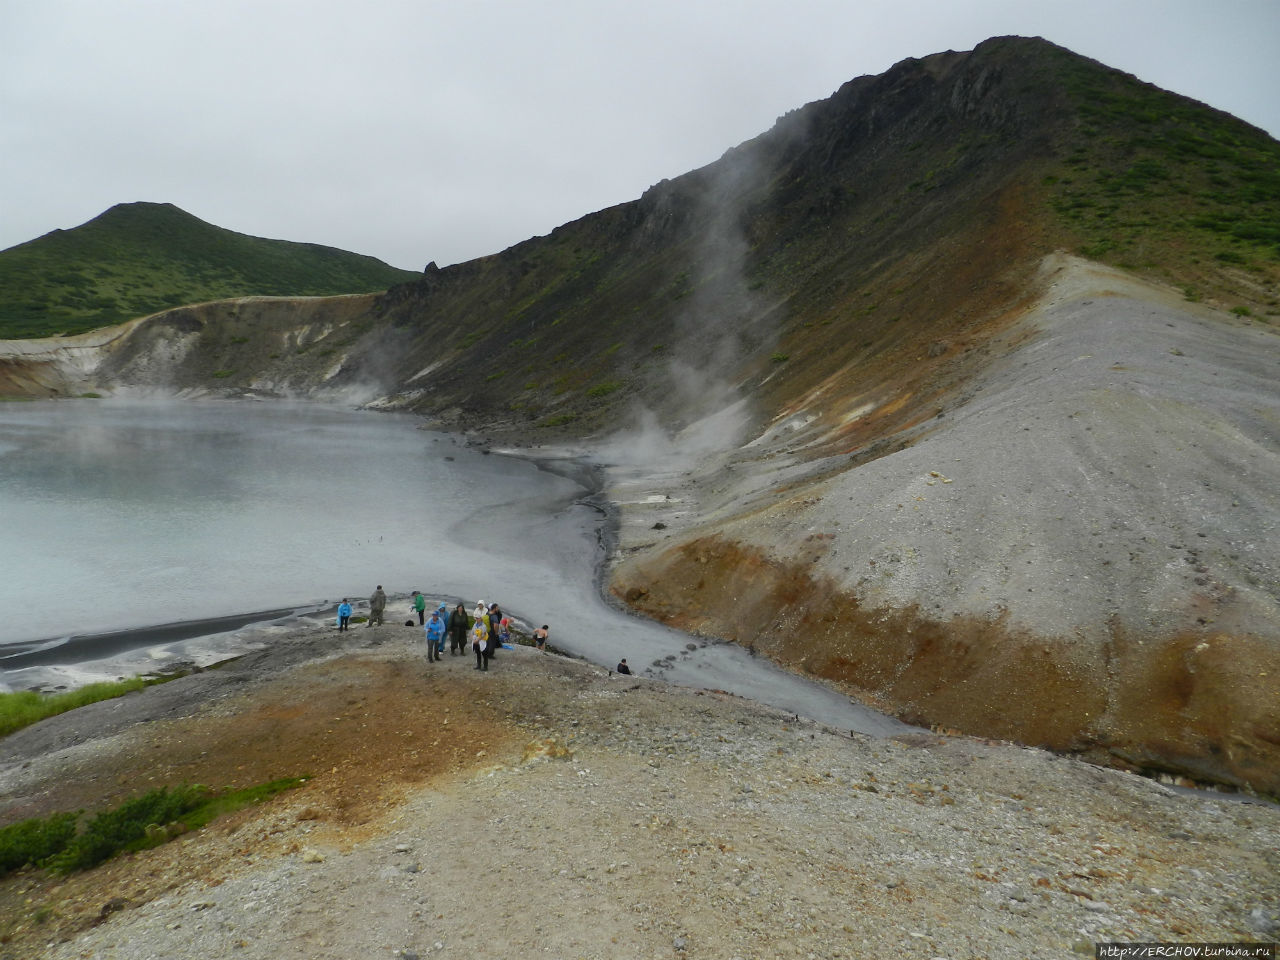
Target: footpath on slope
[550, 807]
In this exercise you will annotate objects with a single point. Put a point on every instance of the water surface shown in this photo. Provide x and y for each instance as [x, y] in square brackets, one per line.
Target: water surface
[117, 516]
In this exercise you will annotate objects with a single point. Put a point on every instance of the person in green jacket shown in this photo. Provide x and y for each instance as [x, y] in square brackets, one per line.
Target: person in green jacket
[419, 604]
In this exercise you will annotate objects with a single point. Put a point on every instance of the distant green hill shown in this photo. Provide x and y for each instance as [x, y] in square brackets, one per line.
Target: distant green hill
[138, 258]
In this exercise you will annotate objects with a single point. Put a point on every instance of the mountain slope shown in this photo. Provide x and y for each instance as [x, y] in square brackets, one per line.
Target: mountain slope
[862, 414]
[139, 258]
[1079, 551]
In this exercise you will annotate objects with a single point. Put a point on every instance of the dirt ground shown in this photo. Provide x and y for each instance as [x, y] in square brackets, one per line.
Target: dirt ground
[363, 730]
[549, 807]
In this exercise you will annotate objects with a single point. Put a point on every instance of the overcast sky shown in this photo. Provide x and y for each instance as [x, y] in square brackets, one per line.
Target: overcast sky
[414, 130]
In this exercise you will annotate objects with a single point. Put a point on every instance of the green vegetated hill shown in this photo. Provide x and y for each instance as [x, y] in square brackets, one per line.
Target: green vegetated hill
[858, 233]
[139, 258]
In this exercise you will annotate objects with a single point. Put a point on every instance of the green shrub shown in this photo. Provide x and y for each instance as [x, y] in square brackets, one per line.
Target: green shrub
[34, 841]
[604, 389]
[126, 827]
[146, 821]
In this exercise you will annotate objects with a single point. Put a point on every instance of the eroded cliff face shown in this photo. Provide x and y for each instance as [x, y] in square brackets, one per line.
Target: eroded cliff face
[305, 348]
[1079, 551]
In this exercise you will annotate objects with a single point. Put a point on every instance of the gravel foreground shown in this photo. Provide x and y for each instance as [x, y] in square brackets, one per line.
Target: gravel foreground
[550, 808]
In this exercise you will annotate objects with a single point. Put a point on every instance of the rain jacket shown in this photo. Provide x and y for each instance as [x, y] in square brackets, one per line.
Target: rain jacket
[434, 629]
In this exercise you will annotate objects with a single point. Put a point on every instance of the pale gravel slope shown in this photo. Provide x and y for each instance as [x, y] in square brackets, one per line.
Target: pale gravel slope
[1118, 463]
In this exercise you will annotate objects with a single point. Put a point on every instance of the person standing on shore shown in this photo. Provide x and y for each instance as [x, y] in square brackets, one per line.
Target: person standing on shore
[540, 638]
[377, 606]
[420, 605]
[344, 614]
[459, 626]
[495, 621]
[434, 629]
[480, 640]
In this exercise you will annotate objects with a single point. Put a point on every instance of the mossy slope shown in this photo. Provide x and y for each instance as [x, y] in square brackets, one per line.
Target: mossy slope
[139, 258]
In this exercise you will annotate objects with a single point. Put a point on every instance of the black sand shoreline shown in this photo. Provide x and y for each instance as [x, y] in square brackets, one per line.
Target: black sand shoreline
[86, 647]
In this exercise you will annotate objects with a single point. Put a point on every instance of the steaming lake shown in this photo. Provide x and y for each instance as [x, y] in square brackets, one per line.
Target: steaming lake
[118, 515]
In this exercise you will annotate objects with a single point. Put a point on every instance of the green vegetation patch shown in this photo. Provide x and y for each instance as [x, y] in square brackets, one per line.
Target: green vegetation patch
[604, 389]
[21, 709]
[66, 842]
[1147, 176]
[140, 258]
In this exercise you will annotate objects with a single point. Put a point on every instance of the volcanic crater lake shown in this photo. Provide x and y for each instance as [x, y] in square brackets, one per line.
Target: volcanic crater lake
[124, 514]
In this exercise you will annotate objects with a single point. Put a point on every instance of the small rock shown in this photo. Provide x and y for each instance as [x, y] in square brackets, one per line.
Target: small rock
[1264, 924]
[114, 905]
[680, 945]
[312, 856]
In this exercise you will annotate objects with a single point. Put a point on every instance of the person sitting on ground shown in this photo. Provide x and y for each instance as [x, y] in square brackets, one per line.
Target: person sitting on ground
[623, 668]
[540, 638]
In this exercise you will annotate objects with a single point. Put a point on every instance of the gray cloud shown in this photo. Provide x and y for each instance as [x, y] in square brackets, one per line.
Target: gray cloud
[418, 131]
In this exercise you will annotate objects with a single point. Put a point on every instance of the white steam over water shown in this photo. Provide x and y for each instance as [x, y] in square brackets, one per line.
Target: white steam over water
[117, 515]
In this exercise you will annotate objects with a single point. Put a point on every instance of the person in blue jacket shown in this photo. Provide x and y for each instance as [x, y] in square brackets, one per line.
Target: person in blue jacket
[435, 635]
[344, 614]
[443, 612]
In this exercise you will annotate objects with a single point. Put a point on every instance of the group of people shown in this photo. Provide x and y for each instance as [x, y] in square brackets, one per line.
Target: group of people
[485, 629]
